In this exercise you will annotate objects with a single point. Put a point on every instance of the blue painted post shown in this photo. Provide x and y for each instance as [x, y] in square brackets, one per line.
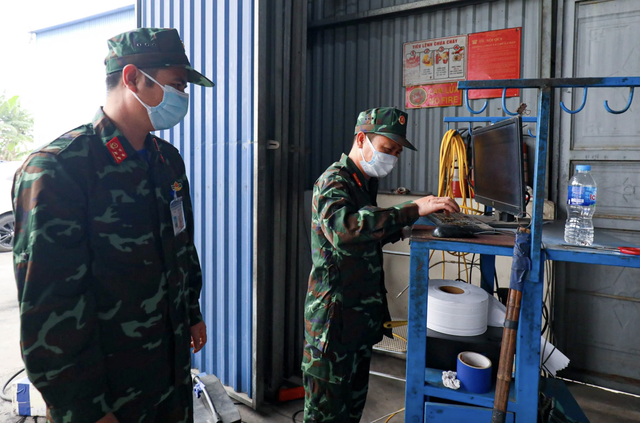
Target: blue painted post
[417, 336]
[487, 272]
[528, 349]
[539, 180]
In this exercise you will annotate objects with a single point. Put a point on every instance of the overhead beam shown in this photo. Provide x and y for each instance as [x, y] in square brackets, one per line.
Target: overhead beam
[386, 12]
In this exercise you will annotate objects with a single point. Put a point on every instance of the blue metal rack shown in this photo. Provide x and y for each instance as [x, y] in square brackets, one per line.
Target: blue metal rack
[422, 388]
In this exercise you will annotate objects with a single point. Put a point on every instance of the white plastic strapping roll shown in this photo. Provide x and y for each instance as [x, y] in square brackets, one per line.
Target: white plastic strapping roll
[457, 308]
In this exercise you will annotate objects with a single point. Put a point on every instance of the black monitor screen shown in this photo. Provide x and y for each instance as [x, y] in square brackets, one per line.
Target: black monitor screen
[498, 166]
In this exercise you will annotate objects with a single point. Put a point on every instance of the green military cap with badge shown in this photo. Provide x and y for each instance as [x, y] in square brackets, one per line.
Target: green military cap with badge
[151, 48]
[387, 121]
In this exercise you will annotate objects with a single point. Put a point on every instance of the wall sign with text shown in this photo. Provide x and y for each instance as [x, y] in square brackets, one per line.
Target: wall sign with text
[434, 61]
[436, 95]
[494, 55]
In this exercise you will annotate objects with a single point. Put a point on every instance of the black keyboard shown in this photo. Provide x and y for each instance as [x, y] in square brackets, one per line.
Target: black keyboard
[466, 221]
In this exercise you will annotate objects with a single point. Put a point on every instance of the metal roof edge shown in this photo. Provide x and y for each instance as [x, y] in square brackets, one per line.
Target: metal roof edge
[86, 18]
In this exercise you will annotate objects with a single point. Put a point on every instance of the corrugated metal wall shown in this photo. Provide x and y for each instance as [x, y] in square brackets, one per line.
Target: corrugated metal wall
[357, 65]
[86, 42]
[281, 232]
[215, 140]
[598, 306]
[323, 9]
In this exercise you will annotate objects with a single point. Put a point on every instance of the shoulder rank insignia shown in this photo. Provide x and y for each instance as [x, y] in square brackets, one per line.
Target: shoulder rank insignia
[116, 150]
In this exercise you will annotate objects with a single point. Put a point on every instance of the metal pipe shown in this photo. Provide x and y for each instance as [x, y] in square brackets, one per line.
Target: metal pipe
[625, 81]
[396, 253]
[388, 376]
[492, 119]
[216, 416]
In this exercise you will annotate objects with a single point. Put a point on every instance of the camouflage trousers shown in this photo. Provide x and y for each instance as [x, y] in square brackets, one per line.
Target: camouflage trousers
[175, 408]
[335, 385]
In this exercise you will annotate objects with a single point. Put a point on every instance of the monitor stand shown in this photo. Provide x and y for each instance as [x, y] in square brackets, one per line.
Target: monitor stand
[506, 217]
[504, 220]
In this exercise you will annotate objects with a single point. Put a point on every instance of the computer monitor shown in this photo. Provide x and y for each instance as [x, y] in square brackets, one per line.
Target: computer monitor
[498, 166]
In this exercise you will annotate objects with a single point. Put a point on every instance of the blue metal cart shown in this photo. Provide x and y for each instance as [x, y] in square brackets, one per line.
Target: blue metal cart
[426, 399]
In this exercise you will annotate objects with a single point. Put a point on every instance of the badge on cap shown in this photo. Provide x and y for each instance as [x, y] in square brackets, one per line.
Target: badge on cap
[116, 150]
[402, 120]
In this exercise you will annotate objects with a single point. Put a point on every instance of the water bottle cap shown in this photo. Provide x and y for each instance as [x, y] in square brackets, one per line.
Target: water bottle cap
[583, 168]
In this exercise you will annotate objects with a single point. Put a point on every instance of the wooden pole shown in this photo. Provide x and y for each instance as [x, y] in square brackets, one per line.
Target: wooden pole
[507, 351]
[510, 331]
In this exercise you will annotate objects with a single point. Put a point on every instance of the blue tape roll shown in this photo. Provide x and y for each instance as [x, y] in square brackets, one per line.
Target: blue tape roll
[474, 372]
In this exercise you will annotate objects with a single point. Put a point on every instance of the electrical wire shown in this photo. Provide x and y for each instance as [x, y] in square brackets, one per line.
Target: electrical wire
[453, 159]
[388, 415]
[448, 261]
[400, 337]
[548, 317]
[391, 416]
[295, 415]
[2, 394]
[453, 156]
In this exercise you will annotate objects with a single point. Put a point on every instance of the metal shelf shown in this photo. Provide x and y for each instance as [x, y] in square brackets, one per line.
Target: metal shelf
[546, 244]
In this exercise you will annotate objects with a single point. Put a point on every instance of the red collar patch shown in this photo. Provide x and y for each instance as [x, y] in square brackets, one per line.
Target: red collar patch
[116, 150]
[357, 180]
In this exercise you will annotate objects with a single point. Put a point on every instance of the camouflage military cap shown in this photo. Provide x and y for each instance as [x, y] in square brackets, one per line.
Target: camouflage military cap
[151, 48]
[387, 121]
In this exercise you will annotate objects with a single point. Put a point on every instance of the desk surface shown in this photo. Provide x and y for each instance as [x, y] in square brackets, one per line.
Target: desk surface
[552, 242]
[425, 233]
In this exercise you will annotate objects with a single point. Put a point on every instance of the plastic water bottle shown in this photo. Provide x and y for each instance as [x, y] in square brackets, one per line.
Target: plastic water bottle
[581, 204]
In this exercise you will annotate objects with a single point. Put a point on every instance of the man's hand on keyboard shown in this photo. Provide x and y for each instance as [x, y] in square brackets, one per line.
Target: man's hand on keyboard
[430, 204]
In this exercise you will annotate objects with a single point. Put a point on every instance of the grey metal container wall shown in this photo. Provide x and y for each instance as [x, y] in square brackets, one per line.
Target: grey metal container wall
[215, 142]
[355, 62]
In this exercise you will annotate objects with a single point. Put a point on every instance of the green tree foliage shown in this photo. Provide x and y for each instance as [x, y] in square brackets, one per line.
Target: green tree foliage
[16, 129]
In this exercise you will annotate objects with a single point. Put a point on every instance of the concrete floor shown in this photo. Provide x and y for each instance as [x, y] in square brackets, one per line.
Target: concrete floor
[385, 395]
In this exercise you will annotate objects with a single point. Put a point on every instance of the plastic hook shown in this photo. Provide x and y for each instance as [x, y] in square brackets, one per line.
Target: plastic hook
[617, 112]
[504, 104]
[466, 103]
[584, 101]
[530, 134]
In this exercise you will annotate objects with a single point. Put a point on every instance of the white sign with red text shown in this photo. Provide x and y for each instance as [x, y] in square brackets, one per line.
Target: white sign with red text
[435, 61]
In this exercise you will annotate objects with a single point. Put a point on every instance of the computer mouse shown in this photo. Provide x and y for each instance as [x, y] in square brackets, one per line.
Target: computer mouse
[452, 231]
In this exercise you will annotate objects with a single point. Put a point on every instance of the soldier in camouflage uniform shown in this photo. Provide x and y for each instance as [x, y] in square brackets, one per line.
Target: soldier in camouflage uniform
[108, 276]
[346, 303]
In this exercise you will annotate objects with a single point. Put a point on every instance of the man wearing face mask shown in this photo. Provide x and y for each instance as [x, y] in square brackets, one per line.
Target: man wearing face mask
[108, 276]
[346, 303]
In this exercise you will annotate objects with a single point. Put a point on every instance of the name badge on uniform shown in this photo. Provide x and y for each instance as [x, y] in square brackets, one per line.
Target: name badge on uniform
[177, 216]
[177, 210]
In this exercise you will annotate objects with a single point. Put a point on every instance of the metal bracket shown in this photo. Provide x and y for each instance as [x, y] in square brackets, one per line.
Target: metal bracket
[273, 145]
[584, 101]
[466, 103]
[504, 103]
[617, 112]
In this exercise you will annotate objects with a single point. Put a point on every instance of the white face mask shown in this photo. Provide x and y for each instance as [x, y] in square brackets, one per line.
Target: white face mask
[380, 165]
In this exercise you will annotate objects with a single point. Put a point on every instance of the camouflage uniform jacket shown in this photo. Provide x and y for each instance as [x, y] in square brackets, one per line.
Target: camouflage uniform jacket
[346, 301]
[107, 292]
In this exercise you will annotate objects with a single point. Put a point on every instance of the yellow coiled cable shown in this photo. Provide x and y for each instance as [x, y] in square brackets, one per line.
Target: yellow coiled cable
[453, 152]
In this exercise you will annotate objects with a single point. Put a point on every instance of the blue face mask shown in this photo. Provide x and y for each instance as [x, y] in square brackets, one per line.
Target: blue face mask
[171, 110]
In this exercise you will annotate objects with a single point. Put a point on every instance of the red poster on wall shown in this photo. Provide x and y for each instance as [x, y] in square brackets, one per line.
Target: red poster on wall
[494, 55]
